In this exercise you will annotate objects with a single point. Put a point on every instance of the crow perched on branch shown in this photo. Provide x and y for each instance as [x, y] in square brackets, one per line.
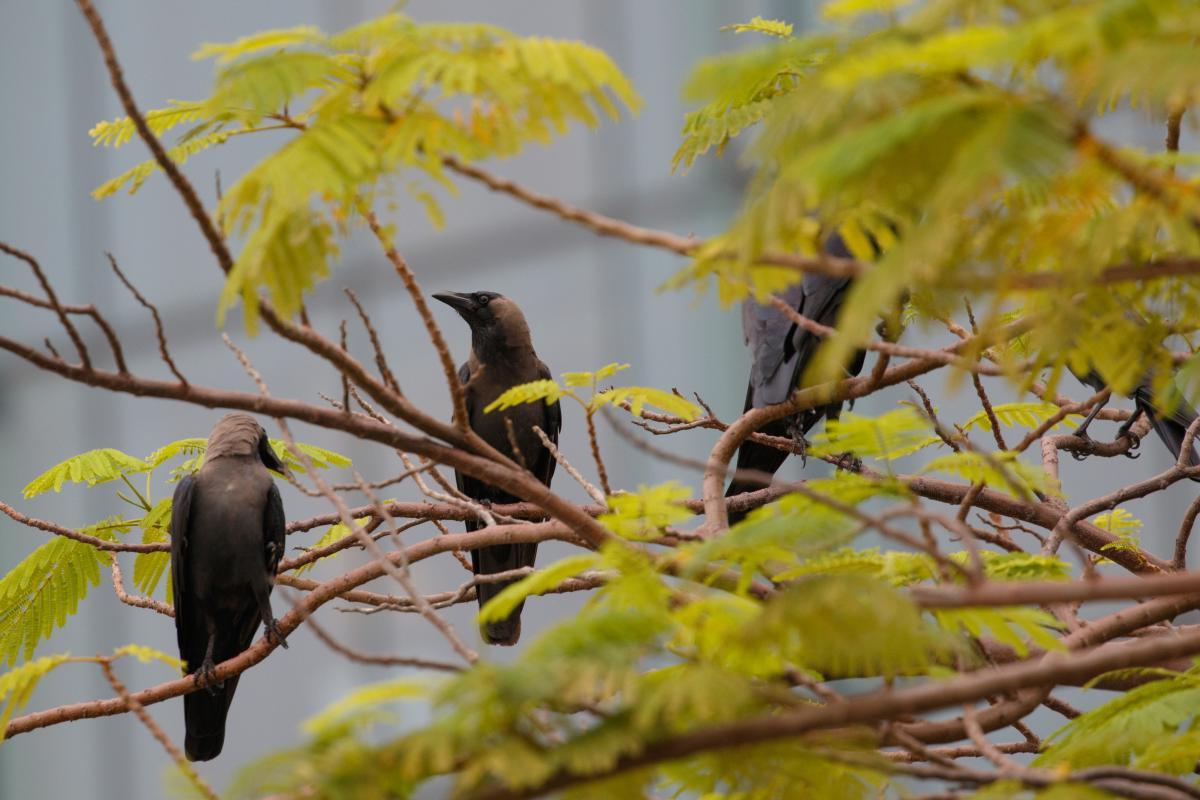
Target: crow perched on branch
[782, 351]
[227, 536]
[1171, 428]
[502, 357]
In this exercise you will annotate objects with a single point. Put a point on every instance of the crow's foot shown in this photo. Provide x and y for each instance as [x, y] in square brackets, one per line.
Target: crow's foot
[849, 462]
[204, 677]
[274, 635]
[1134, 442]
[1088, 440]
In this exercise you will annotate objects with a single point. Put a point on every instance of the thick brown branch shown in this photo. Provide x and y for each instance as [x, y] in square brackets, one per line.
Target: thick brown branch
[99, 544]
[511, 479]
[884, 704]
[318, 596]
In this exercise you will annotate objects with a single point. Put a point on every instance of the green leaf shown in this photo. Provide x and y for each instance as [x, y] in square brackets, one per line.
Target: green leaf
[92, 467]
[1020, 415]
[844, 625]
[147, 655]
[1002, 470]
[638, 397]
[319, 456]
[889, 436]
[17, 685]
[149, 568]
[536, 583]
[192, 447]
[160, 120]
[576, 379]
[1010, 625]
[645, 513]
[264, 40]
[770, 27]
[43, 590]
[844, 9]
[366, 698]
[1143, 720]
[531, 392]
[335, 533]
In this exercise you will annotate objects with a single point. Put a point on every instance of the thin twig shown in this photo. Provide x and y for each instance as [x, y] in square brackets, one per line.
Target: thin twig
[344, 342]
[99, 544]
[135, 600]
[163, 351]
[377, 660]
[594, 441]
[157, 732]
[52, 298]
[385, 372]
[399, 574]
[592, 490]
[457, 393]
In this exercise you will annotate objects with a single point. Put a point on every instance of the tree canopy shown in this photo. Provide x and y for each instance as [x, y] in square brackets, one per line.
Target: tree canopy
[959, 149]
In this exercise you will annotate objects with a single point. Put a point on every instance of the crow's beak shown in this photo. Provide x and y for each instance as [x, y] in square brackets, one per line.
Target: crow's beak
[266, 454]
[464, 304]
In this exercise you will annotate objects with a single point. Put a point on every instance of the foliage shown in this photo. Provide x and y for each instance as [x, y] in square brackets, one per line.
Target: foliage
[635, 398]
[41, 592]
[957, 147]
[44, 590]
[1152, 725]
[335, 533]
[971, 130]
[363, 105]
[17, 685]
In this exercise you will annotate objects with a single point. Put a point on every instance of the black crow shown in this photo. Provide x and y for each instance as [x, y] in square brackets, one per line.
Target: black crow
[502, 356]
[227, 536]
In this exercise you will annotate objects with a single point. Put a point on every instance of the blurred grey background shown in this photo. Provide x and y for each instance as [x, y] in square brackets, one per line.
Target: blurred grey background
[590, 301]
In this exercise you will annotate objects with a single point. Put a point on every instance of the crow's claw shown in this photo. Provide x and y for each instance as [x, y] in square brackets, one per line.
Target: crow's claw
[800, 443]
[1134, 444]
[849, 462]
[1083, 434]
[204, 677]
[274, 635]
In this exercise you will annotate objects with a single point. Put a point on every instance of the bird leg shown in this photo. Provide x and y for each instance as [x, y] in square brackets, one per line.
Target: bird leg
[1082, 431]
[1125, 432]
[799, 441]
[848, 462]
[204, 675]
[274, 635]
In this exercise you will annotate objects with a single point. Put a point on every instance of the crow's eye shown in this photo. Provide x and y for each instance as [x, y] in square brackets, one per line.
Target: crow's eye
[482, 299]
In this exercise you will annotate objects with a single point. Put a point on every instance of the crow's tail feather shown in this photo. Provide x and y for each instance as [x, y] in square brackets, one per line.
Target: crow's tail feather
[204, 721]
[489, 561]
[1172, 430]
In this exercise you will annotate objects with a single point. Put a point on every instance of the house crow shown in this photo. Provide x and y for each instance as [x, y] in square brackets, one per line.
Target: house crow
[502, 357]
[781, 352]
[1171, 428]
[227, 535]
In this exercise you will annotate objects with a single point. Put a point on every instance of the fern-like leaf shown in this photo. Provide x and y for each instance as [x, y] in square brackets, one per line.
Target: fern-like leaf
[769, 27]
[92, 467]
[538, 582]
[638, 397]
[41, 592]
[149, 568]
[532, 392]
[17, 685]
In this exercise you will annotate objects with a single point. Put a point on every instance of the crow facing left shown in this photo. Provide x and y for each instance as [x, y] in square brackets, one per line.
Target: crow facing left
[227, 536]
[502, 356]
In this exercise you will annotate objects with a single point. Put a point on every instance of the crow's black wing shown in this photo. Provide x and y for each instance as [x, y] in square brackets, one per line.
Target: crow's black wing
[189, 629]
[274, 530]
[543, 466]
